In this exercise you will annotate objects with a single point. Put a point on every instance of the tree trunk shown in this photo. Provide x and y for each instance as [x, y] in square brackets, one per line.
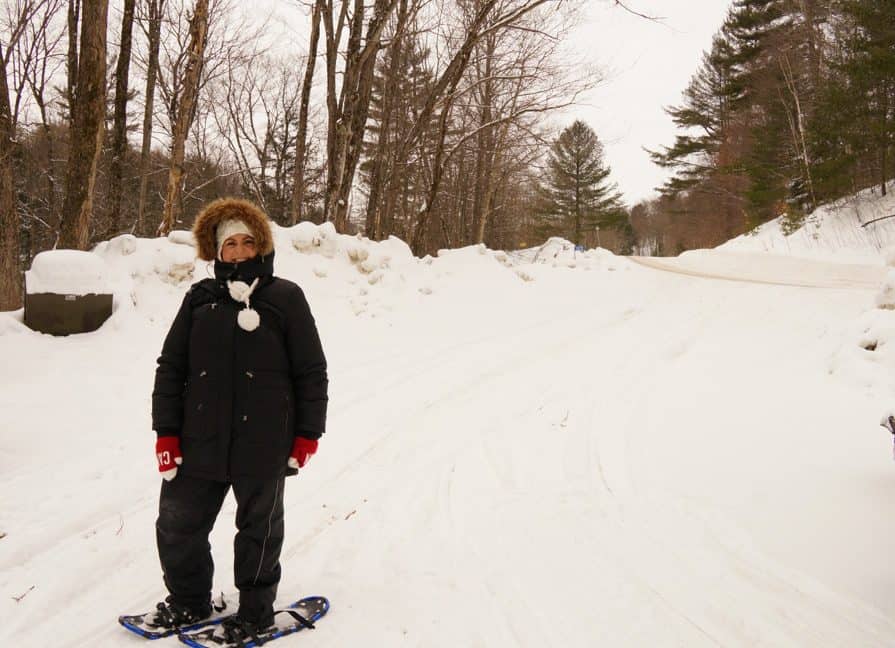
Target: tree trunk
[119, 130]
[89, 110]
[355, 137]
[10, 269]
[578, 207]
[382, 156]
[185, 112]
[333, 111]
[348, 118]
[488, 200]
[883, 161]
[421, 226]
[298, 184]
[74, 11]
[485, 138]
[156, 11]
[336, 204]
[798, 128]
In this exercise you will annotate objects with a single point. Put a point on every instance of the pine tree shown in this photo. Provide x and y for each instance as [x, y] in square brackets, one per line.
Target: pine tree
[401, 81]
[705, 116]
[769, 67]
[747, 114]
[863, 94]
[577, 196]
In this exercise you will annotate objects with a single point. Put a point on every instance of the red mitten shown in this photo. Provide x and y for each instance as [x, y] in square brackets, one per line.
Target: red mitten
[302, 449]
[167, 451]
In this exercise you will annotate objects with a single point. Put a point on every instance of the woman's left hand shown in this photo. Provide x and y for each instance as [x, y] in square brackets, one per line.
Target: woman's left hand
[302, 449]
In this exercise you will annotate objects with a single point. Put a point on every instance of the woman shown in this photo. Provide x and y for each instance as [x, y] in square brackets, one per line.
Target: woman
[240, 399]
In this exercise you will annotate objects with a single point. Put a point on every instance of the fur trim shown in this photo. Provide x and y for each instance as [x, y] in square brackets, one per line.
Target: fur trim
[205, 227]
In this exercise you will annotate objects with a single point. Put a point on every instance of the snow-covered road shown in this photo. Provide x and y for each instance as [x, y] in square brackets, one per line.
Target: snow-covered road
[622, 457]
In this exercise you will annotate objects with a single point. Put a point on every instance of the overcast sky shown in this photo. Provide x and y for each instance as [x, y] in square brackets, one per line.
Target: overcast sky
[648, 65]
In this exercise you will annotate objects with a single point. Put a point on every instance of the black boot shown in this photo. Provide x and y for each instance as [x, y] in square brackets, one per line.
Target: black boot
[168, 615]
[235, 631]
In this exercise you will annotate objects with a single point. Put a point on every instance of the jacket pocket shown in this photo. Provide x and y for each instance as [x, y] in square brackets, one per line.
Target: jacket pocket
[200, 409]
[262, 439]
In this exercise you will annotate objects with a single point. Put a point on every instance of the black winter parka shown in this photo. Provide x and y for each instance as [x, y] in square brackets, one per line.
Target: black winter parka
[238, 398]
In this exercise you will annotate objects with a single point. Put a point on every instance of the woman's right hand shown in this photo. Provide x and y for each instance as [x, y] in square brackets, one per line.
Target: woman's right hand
[167, 451]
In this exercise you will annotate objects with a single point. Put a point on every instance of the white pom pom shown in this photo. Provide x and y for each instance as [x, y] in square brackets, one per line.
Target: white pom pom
[248, 319]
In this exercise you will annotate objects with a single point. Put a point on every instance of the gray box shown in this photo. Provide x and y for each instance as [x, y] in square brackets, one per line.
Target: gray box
[66, 314]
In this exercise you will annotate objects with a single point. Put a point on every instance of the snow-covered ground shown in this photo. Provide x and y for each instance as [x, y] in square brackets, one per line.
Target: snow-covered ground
[852, 230]
[529, 449]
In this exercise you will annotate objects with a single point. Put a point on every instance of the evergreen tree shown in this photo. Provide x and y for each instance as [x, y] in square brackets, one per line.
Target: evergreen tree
[705, 116]
[771, 62]
[577, 196]
[747, 115]
[859, 101]
[400, 83]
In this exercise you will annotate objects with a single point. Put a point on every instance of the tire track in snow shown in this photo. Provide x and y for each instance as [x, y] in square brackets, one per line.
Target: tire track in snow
[759, 582]
[667, 266]
[421, 500]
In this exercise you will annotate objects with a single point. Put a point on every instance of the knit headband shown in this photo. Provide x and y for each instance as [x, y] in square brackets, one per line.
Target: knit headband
[228, 228]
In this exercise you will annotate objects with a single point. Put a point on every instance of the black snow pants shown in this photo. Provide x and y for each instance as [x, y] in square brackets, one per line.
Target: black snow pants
[188, 507]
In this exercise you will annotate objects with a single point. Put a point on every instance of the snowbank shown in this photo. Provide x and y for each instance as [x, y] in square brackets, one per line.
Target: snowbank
[67, 272]
[560, 253]
[867, 353]
[844, 231]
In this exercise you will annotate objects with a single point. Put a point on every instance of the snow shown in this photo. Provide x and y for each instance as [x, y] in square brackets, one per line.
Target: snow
[846, 231]
[536, 448]
[67, 272]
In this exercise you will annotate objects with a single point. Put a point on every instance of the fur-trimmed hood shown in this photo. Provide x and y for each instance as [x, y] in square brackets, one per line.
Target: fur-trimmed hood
[223, 208]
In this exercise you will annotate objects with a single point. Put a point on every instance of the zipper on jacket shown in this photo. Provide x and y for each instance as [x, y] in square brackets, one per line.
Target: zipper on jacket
[232, 402]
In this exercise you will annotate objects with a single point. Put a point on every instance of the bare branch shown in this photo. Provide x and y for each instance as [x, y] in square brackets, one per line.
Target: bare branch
[621, 4]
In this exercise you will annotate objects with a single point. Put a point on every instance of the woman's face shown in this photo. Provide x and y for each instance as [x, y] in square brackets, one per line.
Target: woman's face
[238, 248]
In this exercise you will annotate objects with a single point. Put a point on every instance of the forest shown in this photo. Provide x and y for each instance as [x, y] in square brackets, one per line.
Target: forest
[430, 120]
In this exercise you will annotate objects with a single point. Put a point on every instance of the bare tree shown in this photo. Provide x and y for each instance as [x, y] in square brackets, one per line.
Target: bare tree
[88, 111]
[36, 60]
[396, 93]
[74, 16]
[226, 39]
[348, 115]
[507, 74]
[185, 114]
[10, 269]
[119, 128]
[153, 27]
[298, 182]
[255, 109]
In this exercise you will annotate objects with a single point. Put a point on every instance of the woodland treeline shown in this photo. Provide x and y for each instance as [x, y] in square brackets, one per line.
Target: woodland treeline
[792, 107]
[424, 119]
[418, 118]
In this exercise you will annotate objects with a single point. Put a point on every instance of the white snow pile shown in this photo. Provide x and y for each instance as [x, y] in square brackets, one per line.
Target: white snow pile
[558, 252]
[367, 278]
[561, 253]
[67, 272]
[851, 230]
[868, 354]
